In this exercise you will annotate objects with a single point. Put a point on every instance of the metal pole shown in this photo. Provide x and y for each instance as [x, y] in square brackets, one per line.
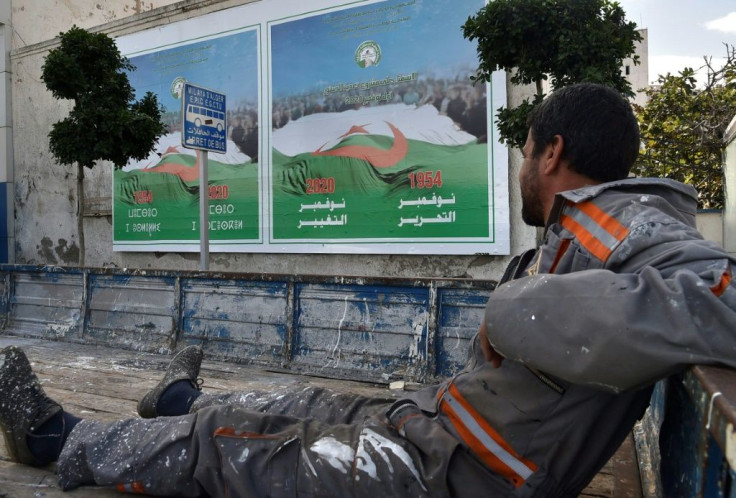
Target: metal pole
[204, 198]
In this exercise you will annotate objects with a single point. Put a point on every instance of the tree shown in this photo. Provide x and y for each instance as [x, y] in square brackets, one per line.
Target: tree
[106, 122]
[683, 127]
[563, 41]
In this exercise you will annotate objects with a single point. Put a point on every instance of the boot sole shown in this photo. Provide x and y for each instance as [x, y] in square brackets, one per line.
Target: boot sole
[12, 448]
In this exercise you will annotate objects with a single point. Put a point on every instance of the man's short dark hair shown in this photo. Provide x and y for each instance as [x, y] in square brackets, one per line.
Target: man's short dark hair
[598, 126]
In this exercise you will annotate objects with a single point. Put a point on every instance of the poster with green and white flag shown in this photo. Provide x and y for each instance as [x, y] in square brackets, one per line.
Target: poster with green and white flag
[357, 130]
[156, 199]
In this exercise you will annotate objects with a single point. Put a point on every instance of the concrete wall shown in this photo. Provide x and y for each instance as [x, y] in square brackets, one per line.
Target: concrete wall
[36, 22]
[729, 182]
[710, 224]
[44, 200]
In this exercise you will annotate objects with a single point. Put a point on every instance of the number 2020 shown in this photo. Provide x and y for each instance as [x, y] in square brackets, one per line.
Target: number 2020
[320, 185]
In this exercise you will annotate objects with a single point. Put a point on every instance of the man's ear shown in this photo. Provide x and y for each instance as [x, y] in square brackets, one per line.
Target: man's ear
[553, 155]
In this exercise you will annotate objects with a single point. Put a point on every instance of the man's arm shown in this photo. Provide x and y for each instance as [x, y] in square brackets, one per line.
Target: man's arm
[614, 331]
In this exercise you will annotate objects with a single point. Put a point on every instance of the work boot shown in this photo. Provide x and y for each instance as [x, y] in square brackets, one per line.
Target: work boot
[184, 366]
[24, 406]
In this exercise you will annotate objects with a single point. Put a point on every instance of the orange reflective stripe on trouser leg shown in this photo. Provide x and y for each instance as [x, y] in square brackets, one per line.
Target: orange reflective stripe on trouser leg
[722, 284]
[132, 487]
[483, 440]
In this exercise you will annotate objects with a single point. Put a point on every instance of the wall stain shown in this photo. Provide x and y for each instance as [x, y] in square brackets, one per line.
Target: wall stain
[45, 251]
[481, 261]
[67, 254]
[23, 189]
[62, 252]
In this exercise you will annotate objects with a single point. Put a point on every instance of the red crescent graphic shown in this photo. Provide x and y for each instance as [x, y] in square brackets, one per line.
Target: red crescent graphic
[355, 129]
[379, 158]
[185, 172]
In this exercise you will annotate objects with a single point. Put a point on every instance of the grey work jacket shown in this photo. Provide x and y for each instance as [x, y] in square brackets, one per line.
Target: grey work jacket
[623, 292]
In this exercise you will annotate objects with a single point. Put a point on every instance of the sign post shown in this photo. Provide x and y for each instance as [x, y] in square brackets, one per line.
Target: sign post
[204, 128]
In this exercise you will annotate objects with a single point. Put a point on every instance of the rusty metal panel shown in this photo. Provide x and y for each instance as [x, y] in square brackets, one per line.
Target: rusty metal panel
[647, 435]
[46, 304]
[134, 312]
[460, 315]
[700, 416]
[239, 320]
[362, 332]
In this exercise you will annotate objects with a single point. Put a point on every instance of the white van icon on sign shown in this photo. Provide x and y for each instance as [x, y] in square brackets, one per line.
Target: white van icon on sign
[207, 117]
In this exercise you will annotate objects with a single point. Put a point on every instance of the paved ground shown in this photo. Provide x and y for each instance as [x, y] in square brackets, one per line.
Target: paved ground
[105, 384]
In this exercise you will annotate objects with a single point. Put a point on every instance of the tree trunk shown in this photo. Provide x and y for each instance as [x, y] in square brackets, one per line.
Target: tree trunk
[539, 87]
[80, 212]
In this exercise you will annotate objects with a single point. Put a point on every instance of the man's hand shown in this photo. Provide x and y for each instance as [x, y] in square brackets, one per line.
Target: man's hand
[489, 353]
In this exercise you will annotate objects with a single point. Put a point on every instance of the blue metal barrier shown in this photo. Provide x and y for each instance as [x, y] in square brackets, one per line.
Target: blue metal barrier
[377, 329]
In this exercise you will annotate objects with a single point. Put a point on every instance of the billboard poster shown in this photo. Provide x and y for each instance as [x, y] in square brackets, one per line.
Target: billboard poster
[355, 129]
[156, 200]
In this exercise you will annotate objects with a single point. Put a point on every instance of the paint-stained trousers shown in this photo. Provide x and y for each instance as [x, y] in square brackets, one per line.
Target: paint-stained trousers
[302, 442]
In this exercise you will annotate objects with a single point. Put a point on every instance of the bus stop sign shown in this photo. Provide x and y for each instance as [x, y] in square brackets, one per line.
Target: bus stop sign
[204, 125]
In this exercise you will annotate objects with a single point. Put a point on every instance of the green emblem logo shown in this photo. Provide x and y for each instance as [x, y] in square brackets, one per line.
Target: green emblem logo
[177, 86]
[368, 54]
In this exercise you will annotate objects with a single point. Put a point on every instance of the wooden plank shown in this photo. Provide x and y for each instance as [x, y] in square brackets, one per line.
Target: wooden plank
[619, 478]
[626, 470]
[602, 485]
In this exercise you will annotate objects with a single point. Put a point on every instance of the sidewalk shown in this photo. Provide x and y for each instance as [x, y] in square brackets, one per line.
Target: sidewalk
[105, 384]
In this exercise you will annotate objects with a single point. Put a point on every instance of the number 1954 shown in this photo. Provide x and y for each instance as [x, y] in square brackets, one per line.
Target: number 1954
[425, 179]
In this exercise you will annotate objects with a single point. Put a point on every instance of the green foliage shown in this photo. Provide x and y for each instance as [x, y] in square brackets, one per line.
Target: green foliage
[683, 126]
[106, 122]
[512, 122]
[563, 41]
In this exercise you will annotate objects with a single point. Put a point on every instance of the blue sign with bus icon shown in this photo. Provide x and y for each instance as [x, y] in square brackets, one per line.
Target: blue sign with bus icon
[204, 124]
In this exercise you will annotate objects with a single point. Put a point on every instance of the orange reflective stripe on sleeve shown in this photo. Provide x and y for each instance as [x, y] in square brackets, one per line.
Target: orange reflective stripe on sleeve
[723, 284]
[587, 240]
[604, 220]
[483, 440]
[597, 231]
